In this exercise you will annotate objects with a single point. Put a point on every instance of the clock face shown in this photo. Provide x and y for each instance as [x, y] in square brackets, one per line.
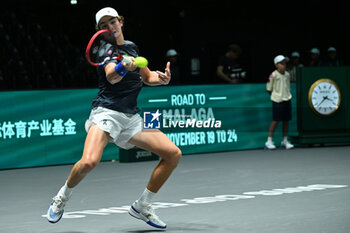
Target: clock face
[324, 97]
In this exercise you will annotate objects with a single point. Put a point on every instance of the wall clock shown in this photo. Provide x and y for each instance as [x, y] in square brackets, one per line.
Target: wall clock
[324, 97]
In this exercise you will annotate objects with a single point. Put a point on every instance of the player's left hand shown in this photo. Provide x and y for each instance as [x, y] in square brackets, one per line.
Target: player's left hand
[164, 78]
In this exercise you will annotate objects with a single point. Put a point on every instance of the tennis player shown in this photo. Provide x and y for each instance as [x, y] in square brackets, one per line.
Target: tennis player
[114, 118]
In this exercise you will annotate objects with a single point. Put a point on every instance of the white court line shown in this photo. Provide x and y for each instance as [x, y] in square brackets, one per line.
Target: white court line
[205, 200]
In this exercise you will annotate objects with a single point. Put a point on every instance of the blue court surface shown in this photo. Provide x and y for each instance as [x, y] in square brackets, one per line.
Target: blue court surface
[304, 190]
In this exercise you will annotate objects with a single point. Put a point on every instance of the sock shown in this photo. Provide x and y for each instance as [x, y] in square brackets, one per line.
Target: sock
[269, 139]
[146, 198]
[285, 139]
[65, 190]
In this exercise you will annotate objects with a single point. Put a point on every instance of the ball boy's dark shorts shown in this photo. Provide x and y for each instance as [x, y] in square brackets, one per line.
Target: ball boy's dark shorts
[282, 111]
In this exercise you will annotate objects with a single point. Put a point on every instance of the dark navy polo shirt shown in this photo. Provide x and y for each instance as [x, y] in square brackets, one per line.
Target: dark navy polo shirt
[121, 96]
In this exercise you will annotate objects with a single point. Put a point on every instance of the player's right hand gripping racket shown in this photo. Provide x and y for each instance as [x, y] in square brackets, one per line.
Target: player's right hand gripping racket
[92, 48]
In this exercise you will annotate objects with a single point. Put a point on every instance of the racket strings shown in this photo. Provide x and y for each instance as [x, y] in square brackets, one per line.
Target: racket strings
[95, 50]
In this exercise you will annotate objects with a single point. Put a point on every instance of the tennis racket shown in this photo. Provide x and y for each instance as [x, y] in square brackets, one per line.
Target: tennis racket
[92, 48]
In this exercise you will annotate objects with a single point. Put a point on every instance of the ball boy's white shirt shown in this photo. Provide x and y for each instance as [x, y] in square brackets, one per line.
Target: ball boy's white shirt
[279, 85]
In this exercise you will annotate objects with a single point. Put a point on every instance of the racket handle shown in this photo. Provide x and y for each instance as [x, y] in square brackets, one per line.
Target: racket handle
[126, 60]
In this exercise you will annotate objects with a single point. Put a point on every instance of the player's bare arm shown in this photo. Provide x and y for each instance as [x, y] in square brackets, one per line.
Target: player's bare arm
[155, 78]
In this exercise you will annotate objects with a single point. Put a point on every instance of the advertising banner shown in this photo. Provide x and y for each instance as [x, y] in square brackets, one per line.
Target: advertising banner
[39, 128]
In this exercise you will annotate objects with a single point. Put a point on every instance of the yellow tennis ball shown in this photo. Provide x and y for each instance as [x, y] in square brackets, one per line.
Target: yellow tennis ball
[141, 62]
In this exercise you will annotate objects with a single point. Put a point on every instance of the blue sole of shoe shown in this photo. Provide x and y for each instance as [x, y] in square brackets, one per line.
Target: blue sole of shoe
[57, 219]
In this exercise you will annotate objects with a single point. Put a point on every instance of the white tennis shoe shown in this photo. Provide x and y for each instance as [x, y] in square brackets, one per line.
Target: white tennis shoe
[286, 144]
[55, 211]
[270, 145]
[146, 214]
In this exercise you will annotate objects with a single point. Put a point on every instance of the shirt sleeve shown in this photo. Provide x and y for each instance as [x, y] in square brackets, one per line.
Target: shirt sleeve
[269, 84]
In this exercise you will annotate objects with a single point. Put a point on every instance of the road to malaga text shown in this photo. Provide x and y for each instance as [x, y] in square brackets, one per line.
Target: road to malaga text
[196, 118]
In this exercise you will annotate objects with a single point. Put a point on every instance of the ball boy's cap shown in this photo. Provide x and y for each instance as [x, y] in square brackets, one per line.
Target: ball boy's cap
[279, 58]
[107, 11]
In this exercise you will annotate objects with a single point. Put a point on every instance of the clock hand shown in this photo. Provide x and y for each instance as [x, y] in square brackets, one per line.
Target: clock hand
[324, 98]
[331, 101]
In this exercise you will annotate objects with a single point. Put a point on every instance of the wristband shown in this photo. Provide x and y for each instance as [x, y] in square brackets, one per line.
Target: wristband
[119, 69]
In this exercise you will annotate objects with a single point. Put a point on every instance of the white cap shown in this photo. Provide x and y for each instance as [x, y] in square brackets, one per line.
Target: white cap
[279, 58]
[331, 49]
[107, 11]
[315, 51]
[171, 52]
[295, 54]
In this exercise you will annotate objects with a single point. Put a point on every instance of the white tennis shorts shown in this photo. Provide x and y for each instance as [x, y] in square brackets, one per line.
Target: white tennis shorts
[120, 126]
